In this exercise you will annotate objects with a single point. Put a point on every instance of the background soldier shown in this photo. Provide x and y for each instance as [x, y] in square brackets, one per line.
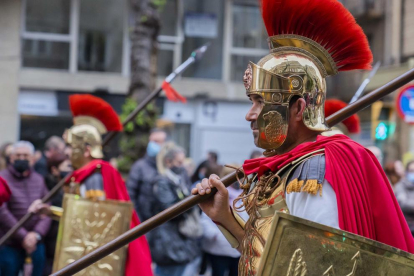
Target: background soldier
[94, 178]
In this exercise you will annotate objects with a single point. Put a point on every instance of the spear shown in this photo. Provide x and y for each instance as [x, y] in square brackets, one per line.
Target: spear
[193, 200]
[364, 84]
[195, 56]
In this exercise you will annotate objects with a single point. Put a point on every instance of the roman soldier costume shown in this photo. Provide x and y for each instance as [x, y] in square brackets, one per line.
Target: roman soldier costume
[333, 180]
[99, 208]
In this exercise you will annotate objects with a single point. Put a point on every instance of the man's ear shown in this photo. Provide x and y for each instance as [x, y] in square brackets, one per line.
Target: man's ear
[298, 108]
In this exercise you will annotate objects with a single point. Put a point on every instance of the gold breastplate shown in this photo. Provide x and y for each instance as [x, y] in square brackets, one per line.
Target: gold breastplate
[263, 203]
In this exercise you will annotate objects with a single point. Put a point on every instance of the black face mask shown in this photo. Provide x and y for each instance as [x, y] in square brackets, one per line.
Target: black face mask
[63, 174]
[21, 165]
[177, 170]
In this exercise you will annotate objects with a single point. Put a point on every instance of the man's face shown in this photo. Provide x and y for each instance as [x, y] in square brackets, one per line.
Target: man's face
[253, 114]
[22, 153]
[178, 161]
[158, 137]
[58, 148]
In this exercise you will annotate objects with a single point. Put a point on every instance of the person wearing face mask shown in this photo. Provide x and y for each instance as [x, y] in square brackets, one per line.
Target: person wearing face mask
[174, 245]
[143, 172]
[26, 186]
[404, 192]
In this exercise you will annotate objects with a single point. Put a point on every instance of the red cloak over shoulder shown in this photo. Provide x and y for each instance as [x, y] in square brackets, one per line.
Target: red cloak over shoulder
[366, 203]
[139, 258]
[4, 191]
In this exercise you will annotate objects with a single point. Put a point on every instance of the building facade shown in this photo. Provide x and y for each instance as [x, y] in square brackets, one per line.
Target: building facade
[50, 49]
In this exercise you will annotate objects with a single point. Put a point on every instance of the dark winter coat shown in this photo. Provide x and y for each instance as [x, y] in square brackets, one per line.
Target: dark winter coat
[139, 185]
[168, 246]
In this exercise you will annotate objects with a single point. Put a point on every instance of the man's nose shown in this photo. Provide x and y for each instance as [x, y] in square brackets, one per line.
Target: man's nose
[251, 115]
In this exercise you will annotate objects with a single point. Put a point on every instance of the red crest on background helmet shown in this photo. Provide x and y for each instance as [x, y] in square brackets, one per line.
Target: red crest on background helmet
[92, 106]
[352, 123]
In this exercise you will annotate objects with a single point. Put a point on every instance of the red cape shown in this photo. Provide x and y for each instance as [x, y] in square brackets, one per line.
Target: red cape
[4, 191]
[366, 201]
[139, 257]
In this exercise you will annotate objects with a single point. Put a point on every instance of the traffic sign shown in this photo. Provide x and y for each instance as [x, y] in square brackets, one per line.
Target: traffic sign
[405, 104]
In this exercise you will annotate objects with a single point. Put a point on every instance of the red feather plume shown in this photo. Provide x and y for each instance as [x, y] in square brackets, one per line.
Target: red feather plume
[326, 22]
[352, 123]
[88, 105]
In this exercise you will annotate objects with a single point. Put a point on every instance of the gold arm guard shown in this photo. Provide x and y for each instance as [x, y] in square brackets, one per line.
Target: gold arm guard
[56, 212]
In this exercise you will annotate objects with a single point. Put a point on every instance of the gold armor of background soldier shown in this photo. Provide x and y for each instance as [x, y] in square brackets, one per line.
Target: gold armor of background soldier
[86, 131]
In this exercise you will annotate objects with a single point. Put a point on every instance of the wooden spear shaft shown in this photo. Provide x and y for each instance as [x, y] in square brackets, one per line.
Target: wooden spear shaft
[193, 200]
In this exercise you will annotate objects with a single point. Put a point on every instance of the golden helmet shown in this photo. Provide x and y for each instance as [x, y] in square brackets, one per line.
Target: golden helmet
[308, 42]
[92, 118]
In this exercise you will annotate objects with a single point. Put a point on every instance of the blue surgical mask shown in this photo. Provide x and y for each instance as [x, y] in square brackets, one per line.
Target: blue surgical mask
[153, 149]
[410, 177]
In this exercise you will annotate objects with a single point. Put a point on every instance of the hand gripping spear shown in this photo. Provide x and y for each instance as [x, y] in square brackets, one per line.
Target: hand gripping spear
[195, 56]
[191, 201]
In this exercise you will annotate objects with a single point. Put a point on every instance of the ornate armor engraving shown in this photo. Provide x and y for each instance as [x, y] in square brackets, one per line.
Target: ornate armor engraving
[297, 266]
[300, 247]
[273, 133]
[247, 78]
[87, 225]
[261, 203]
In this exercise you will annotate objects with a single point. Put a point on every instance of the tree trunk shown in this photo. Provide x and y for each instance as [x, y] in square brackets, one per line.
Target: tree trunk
[144, 29]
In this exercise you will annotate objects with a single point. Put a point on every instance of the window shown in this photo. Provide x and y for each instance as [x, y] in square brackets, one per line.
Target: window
[247, 38]
[185, 26]
[46, 16]
[46, 34]
[170, 38]
[45, 54]
[206, 21]
[101, 26]
[76, 35]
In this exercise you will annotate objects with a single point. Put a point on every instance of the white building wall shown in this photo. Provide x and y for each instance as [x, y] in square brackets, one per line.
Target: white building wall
[217, 126]
[9, 68]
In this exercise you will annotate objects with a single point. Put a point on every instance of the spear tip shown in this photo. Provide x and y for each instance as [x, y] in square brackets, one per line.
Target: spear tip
[198, 53]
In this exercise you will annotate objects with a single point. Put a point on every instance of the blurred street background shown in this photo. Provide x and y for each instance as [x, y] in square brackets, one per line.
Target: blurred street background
[50, 49]
[121, 50]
